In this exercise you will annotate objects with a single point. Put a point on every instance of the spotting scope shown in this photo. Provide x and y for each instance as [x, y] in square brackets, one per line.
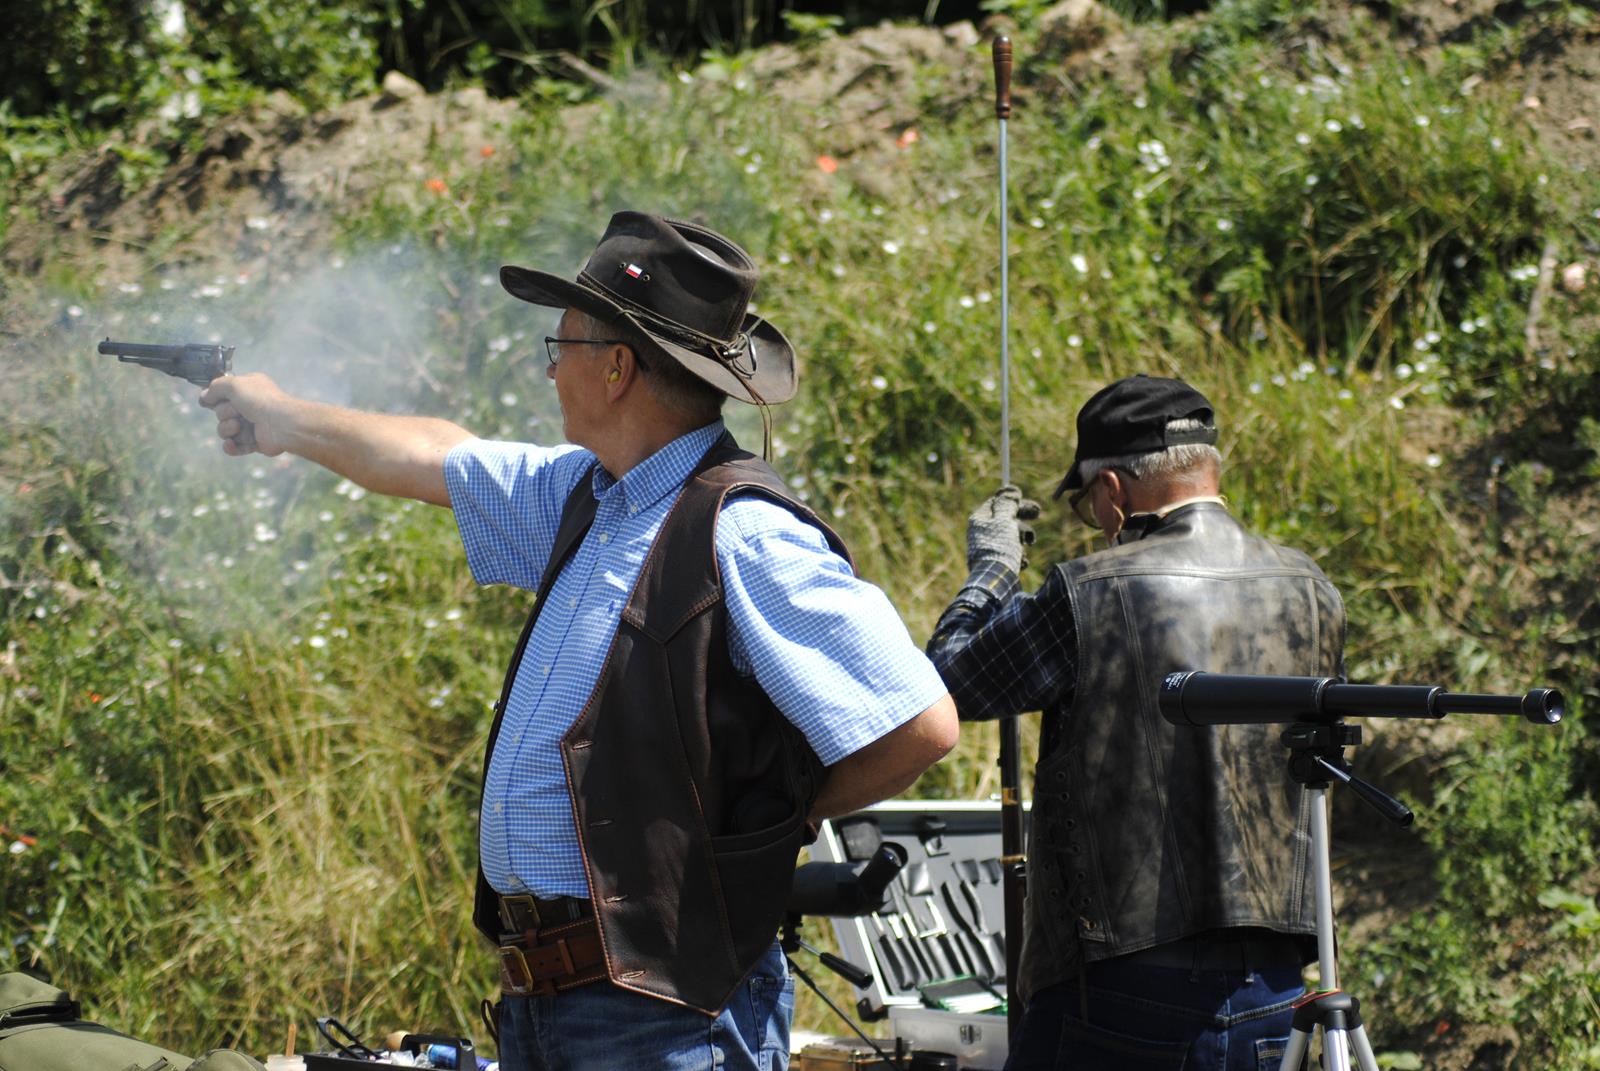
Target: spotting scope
[1195, 698]
[842, 890]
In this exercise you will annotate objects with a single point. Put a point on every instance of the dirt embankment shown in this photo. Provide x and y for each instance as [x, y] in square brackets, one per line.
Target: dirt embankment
[257, 193]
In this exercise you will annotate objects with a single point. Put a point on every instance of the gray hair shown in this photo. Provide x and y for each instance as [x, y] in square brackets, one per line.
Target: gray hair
[1181, 462]
[671, 384]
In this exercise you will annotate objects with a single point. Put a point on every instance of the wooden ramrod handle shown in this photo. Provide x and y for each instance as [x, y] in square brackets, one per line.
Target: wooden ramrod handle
[1002, 77]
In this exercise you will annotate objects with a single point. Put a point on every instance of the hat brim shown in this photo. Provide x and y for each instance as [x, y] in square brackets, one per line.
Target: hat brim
[772, 379]
[1070, 482]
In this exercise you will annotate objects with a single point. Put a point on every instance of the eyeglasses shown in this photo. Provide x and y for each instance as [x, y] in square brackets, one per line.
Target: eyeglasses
[1082, 507]
[552, 346]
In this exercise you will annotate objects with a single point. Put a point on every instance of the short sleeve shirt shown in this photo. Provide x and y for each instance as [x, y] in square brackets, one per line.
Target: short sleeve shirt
[826, 647]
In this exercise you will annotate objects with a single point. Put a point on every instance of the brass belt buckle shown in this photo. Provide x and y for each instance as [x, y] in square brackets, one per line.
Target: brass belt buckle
[509, 905]
[513, 964]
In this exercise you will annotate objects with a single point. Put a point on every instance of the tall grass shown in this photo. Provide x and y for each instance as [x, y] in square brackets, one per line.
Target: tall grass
[242, 705]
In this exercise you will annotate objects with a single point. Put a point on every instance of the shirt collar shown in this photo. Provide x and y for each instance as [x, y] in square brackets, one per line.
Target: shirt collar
[663, 471]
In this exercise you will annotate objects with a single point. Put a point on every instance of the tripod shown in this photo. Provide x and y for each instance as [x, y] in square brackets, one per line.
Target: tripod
[1316, 757]
[1313, 708]
[840, 890]
[791, 942]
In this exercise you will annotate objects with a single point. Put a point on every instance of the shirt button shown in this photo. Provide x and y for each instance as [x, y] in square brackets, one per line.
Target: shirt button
[499, 808]
[572, 604]
[632, 510]
[545, 670]
[604, 538]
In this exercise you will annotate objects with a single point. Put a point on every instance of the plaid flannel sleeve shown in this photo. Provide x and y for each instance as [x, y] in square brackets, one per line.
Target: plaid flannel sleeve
[1002, 651]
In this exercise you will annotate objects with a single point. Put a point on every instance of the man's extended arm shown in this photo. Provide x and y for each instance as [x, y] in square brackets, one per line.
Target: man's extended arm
[391, 455]
[888, 766]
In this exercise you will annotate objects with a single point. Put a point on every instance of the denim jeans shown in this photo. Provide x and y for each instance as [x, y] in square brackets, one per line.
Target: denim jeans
[1148, 1018]
[600, 1027]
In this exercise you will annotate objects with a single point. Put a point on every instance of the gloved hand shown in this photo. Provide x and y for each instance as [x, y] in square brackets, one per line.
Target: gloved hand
[997, 530]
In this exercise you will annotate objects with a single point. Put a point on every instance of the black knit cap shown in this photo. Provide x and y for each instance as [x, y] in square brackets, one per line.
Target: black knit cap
[1130, 417]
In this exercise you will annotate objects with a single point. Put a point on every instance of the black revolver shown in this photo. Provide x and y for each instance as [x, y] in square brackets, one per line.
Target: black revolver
[198, 362]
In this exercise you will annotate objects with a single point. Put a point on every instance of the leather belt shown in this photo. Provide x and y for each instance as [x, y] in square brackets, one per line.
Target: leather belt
[1242, 950]
[548, 946]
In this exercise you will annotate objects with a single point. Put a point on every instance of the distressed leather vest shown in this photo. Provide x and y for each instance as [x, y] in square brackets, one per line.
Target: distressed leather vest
[1144, 833]
[689, 789]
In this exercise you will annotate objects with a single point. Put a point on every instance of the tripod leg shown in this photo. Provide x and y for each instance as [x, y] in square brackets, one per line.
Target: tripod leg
[1363, 1047]
[1295, 1053]
[800, 973]
[1336, 1049]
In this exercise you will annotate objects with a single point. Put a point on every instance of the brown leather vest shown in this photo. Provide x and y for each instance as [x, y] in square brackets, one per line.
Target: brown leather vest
[1143, 833]
[690, 790]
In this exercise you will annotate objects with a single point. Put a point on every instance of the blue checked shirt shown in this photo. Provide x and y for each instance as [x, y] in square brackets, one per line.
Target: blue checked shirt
[827, 648]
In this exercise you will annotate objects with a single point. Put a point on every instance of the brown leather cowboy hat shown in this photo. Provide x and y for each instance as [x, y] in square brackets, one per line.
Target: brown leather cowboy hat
[685, 290]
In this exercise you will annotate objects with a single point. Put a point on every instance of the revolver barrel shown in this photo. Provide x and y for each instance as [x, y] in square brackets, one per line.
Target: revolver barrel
[197, 362]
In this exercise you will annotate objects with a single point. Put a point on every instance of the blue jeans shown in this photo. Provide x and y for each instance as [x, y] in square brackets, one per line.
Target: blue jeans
[1146, 1018]
[599, 1027]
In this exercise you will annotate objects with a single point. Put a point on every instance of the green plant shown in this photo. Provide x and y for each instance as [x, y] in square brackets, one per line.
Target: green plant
[811, 28]
[242, 703]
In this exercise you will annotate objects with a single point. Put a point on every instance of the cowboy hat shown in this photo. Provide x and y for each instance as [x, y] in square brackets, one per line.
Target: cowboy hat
[685, 290]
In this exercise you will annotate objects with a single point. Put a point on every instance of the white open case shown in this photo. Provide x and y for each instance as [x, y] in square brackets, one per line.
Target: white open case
[944, 920]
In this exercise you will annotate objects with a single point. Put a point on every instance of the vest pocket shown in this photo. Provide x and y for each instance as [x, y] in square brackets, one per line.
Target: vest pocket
[755, 871]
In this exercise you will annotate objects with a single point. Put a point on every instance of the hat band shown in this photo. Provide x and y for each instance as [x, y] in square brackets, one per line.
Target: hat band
[725, 352]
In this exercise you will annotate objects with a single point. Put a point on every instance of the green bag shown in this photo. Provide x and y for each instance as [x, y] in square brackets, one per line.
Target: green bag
[40, 1031]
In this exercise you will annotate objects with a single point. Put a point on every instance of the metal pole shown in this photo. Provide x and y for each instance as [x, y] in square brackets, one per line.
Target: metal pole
[1002, 112]
[1012, 859]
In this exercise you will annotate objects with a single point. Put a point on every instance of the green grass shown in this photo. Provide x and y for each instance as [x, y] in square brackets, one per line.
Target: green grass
[242, 706]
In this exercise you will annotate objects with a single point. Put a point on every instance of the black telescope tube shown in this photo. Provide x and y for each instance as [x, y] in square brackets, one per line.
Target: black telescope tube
[1195, 698]
[1382, 700]
[1542, 706]
[878, 873]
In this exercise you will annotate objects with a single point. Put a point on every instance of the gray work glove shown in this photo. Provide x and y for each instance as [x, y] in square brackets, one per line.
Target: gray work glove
[997, 532]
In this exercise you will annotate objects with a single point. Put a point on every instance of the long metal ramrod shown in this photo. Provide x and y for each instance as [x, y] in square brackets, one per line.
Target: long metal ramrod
[197, 362]
[1012, 859]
